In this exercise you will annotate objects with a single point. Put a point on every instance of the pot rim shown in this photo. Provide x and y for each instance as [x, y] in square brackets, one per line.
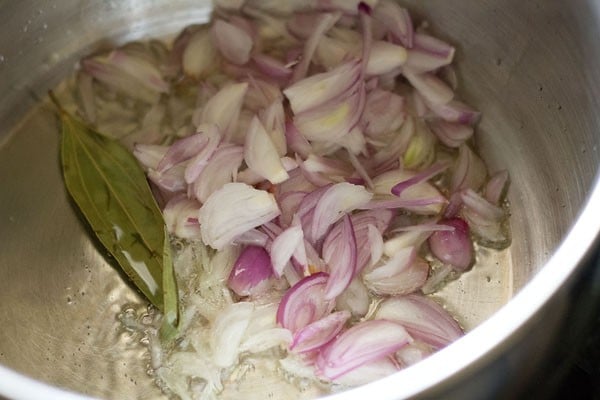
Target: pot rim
[493, 334]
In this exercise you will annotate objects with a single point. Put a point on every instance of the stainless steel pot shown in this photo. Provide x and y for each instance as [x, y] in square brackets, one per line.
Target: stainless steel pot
[532, 67]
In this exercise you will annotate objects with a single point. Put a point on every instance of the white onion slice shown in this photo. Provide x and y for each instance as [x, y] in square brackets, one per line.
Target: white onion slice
[339, 252]
[223, 109]
[320, 332]
[337, 200]
[198, 56]
[385, 57]
[181, 217]
[233, 210]
[362, 344]
[304, 303]
[227, 332]
[355, 298]
[284, 246]
[233, 42]
[422, 317]
[261, 155]
[318, 89]
[220, 169]
[397, 20]
[384, 112]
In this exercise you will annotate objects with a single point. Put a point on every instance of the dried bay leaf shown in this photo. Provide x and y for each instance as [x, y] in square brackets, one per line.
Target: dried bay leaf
[110, 188]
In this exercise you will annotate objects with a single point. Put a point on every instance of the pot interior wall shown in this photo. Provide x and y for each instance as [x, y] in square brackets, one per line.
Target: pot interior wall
[531, 67]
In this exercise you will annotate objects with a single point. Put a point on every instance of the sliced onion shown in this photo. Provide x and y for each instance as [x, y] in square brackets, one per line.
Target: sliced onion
[182, 150]
[85, 90]
[229, 5]
[333, 51]
[301, 25]
[198, 56]
[384, 112]
[355, 298]
[266, 339]
[369, 372]
[454, 206]
[347, 6]
[139, 69]
[496, 187]
[360, 169]
[469, 170]
[260, 94]
[273, 119]
[452, 134]
[284, 246]
[433, 46]
[366, 26]
[316, 178]
[296, 141]
[319, 333]
[486, 220]
[320, 88]
[324, 23]
[304, 303]
[399, 275]
[253, 237]
[149, 155]
[429, 54]
[223, 109]
[397, 21]
[413, 353]
[339, 252]
[455, 111]
[433, 89]
[393, 203]
[171, 181]
[227, 332]
[404, 240]
[261, 155]
[386, 157]
[332, 121]
[288, 204]
[375, 243]
[420, 177]
[385, 57]
[314, 262]
[339, 199]
[361, 221]
[306, 208]
[453, 247]
[251, 272]
[362, 344]
[423, 318]
[327, 166]
[271, 229]
[272, 67]
[421, 148]
[119, 80]
[233, 42]
[212, 139]
[181, 217]
[220, 169]
[232, 210]
[410, 185]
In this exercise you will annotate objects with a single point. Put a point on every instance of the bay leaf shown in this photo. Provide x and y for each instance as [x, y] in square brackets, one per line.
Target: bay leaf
[168, 329]
[110, 188]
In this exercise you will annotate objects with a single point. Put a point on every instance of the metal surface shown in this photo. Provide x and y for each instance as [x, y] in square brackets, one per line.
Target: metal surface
[532, 67]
